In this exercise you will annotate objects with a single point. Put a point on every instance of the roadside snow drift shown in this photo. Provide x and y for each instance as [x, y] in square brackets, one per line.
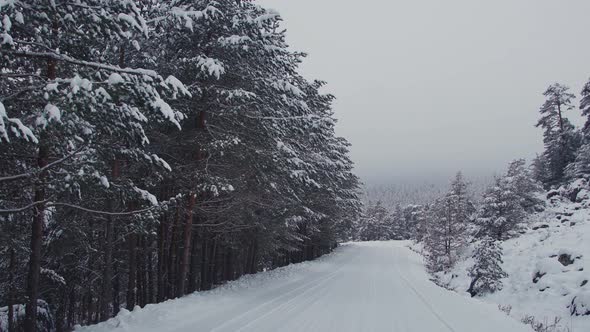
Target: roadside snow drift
[374, 286]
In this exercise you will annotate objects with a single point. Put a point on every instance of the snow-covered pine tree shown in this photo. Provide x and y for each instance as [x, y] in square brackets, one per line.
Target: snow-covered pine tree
[414, 216]
[449, 220]
[501, 212]
[560, 137]
[580, 167]
[400, 229]
[375, 224]
[507, 201]
[67, 100]
[271, 182]
[585, 107]
[524, 184]
[486, 273]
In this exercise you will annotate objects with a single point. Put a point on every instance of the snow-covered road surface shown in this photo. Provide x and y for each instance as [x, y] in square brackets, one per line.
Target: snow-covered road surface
[375, 286]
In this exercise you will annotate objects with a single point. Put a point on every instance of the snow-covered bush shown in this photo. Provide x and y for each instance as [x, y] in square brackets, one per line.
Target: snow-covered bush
[486, 273]
[580, 305]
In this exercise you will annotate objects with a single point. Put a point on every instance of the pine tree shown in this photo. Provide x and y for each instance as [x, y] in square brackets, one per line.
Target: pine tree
[449, 222]
[524, 185]
[72, 104]
[400, 229]
[560, 137]
[486, 273]
[141, 188]
[580, 167]
[376, 224]
[501, 212]
[507, 201]
[585, 107]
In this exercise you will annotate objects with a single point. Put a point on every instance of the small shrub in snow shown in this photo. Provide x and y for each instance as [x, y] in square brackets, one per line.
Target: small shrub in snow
[486, 273]
[545, 326]
[507, 309]
[580, 305]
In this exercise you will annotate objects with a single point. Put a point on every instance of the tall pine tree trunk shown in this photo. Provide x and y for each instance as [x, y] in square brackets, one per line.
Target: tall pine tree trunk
[36, 242]
[193, 273]
[204, 255]
[38, 222]
[131, 285]
[106, 309]
[185, 259]
[212, 267]
[116, 289]
[161, 256]
[172, 252]
[11, 299]
[151, 282]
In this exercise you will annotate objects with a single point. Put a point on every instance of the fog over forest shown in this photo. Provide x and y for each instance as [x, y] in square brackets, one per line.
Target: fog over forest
[427, 88]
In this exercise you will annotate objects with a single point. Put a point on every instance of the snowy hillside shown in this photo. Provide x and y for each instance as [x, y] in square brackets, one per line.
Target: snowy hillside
[548, 266]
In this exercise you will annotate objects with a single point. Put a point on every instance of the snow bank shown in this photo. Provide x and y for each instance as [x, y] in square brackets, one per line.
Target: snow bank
[211, 301]
[548, 265]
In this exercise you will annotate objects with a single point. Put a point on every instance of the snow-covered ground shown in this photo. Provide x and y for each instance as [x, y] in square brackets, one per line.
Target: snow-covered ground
[548, 267]
[374, 286]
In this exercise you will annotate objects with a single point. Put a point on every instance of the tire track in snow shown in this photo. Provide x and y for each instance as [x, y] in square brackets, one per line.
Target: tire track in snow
[420, 296]
[291, 301]
[369, 287]
[278, 298]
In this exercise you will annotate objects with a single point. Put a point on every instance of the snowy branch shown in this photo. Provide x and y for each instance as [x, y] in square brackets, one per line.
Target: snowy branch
[77, 207]
[21, 209]
[65, 58]
[42, 169]
[302, 117]
[106, 213]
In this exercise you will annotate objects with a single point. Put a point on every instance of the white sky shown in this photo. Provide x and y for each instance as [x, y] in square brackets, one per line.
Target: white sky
[428, 87]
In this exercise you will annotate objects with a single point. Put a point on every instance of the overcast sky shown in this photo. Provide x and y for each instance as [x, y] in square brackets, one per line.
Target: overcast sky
[427, 87]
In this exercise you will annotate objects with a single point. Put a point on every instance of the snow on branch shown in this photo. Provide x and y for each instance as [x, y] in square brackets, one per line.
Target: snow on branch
[42, 169]
[286, 86]
[212, 67]
[22, 209]
[190, 15]
[147, 196]
[19, 128]
[268, 16]
[68, 59]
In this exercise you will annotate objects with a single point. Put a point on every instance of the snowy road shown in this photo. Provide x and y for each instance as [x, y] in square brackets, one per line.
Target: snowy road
[379, 286]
